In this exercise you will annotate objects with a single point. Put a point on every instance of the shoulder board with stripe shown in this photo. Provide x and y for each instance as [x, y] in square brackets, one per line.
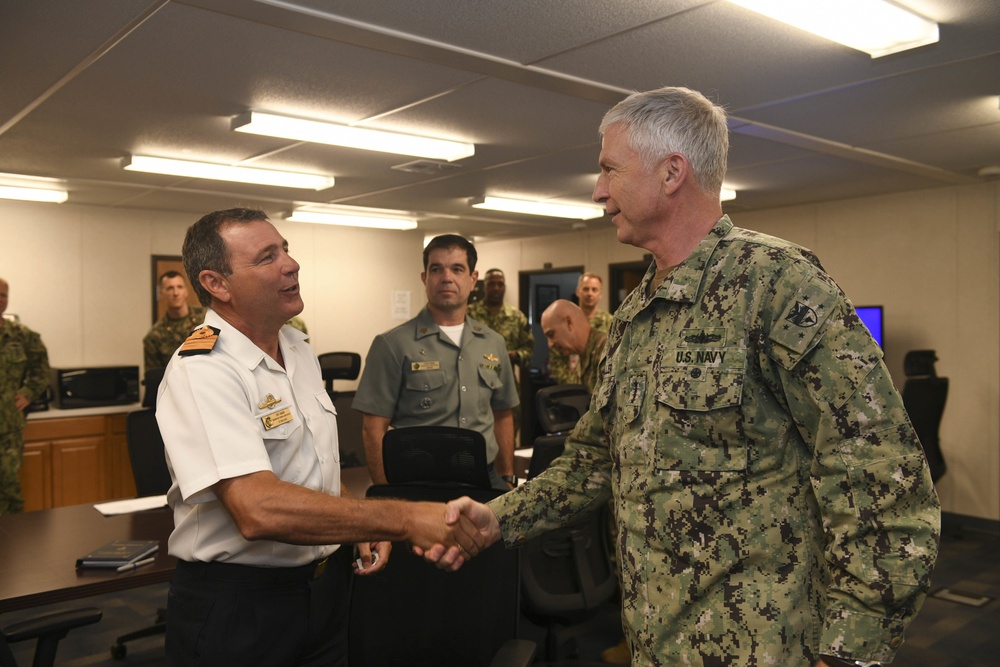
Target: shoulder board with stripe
[201, 341]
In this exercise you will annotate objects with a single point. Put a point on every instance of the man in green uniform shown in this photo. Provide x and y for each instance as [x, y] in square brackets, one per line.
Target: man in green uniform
[510, 323]
[569, 332]
[773, 504]
[24, 376]
[564, 368]
[177, 322]
[441, 368]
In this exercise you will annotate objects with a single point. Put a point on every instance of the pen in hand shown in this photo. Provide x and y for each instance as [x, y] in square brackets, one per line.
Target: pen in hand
[131, 566]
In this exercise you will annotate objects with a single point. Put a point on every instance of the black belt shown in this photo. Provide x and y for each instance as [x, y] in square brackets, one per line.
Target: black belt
[233, 572]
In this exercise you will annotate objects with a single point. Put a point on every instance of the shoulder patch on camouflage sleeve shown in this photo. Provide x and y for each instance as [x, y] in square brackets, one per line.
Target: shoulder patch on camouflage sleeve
[802, 322]
[201, 341]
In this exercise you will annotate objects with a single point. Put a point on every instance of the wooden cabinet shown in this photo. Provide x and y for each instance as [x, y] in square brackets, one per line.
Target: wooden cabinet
[74, 460]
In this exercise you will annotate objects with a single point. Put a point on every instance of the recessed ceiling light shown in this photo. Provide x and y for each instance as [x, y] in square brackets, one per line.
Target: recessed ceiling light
[299, 129]
[876, 27]
[222, 172]
[727, 194]
[553, 210]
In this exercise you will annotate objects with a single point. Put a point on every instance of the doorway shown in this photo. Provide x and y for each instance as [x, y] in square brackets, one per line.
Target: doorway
[623, 278]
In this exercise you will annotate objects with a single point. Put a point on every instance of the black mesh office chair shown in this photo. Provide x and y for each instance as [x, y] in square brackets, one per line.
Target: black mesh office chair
[152, 478]
[416, 615]
[48, 629]
[566, 574]
[924, 396]
[339, 366]
[345, 366]
[558, 408]
[435, 455]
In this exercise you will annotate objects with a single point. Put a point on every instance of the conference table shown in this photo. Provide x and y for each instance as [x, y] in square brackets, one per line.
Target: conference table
[38, 550]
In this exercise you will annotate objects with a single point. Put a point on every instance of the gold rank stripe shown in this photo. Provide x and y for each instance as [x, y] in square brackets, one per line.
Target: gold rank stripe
[201, 341]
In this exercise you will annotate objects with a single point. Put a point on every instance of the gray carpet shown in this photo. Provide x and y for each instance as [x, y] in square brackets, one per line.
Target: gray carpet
[946, 634]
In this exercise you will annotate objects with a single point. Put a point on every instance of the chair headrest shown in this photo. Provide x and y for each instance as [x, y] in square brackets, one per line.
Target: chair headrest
[435, 454]
[340, 365]
[920, 362]
[560, 407]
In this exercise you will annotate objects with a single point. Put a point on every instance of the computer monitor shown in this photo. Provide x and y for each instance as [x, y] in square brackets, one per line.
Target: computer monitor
[872, 318]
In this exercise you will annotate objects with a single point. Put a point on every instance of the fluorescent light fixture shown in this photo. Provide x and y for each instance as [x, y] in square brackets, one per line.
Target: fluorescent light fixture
[727, 194]
[352, 217]
[367, 139]
[222, 172]
[575, 211]
[32, 188]
[876, 27]
[32, 194]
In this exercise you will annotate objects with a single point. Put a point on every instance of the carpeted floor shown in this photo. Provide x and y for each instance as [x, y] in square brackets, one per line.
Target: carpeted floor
[947, 633]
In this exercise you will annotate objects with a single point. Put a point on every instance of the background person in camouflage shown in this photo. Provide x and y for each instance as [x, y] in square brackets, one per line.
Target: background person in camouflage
[24, 376]
[569, 332]
[177, 322]
[565, 368]
[773, 503]
[510, 323]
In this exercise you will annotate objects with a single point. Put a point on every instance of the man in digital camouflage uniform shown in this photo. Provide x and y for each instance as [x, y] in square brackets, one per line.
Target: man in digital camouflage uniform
[510, 323]
[569, 332]
[773, 504]
[177, 322]
[565, 368]
[24, 376]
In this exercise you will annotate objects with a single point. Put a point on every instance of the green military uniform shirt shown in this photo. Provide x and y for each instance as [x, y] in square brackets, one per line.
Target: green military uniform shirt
[771, 498]
[510, 323]
[559, 366]
[416, 376]
[167, 335]
[24, 369]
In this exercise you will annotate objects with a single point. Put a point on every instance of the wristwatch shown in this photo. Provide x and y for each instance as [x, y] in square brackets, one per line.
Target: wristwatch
[834, 661]
[510, 479]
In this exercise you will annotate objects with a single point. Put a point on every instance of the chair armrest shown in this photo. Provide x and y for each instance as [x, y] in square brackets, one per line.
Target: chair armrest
[58, 622]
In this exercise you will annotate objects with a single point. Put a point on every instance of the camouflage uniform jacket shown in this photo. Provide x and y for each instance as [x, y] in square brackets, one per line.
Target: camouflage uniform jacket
[590, 360]
[510, 323]
[167, 335]
[559, 369]
[771, 498]
[24, 369]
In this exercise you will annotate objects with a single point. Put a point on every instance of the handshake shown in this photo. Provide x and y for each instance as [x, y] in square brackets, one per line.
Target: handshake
[468, 528]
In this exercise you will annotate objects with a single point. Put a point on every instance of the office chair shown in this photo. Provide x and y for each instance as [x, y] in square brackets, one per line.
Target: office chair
[416, 615]
[48, 629]
[558, 408]
[345, 366]
[435, 455]
[152, 478]
[924, 397]
[151, 382]
[339, 366]
[566, 573]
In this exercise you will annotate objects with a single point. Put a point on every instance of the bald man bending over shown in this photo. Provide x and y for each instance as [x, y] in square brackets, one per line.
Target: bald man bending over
[569, 332]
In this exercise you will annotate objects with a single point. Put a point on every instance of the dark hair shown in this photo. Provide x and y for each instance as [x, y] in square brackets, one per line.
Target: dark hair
[168, 274]
[452, 241]
[204, 249]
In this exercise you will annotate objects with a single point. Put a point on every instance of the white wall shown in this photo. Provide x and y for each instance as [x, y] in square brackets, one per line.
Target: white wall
[931, 258]
[81, 277]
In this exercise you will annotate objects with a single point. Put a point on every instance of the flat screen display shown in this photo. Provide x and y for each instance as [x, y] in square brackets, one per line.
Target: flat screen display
[872, 317]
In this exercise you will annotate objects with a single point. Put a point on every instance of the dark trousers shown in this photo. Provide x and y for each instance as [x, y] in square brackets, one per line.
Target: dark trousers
[220, 614]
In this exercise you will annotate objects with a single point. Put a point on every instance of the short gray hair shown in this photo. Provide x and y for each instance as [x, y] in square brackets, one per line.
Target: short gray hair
[676, 120]
[205, 249]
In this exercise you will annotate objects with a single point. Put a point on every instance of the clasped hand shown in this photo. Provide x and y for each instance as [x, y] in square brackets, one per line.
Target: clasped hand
[469, 528]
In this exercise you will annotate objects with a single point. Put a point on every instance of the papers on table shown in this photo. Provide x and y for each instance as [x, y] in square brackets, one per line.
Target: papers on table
[131, 505]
